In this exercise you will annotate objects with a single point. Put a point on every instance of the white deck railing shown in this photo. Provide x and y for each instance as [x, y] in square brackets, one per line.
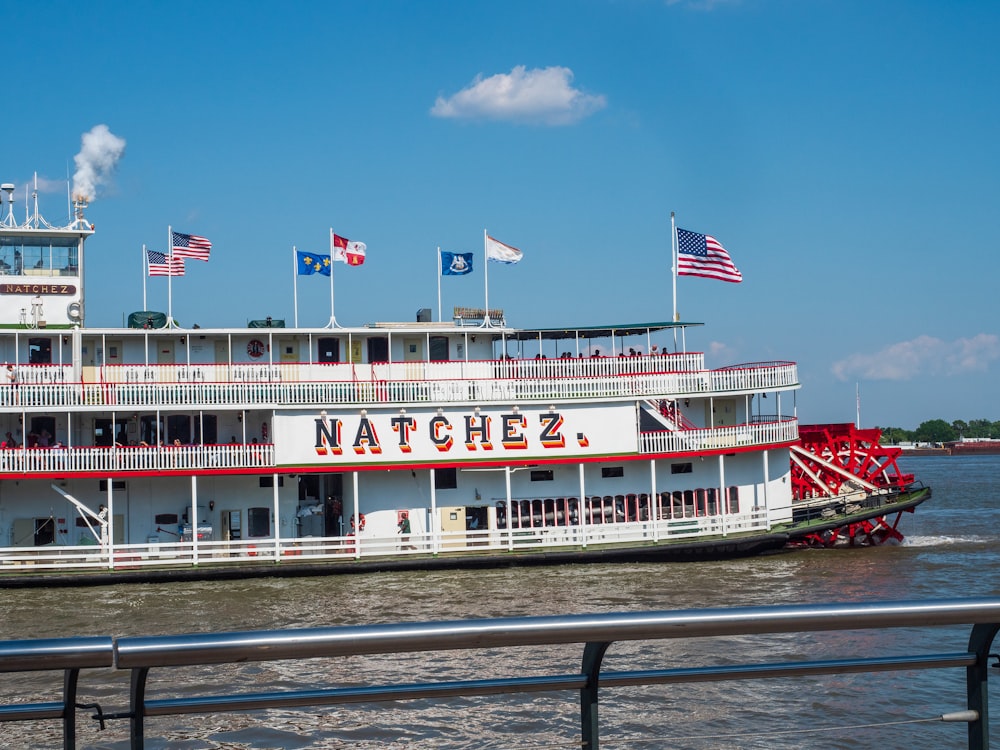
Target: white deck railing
[150, 387]
[157, 554]
[118, 459]
[715, 438]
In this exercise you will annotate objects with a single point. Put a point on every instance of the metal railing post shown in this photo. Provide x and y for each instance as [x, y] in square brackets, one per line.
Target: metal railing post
[137, 700]
[976, 676]
[593, 656]
[70, 682]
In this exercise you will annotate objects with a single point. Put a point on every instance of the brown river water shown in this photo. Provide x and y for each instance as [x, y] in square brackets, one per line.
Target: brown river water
[952, 550]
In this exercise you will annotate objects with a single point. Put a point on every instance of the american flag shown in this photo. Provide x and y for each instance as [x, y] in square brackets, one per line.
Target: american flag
[703, 255]
[164, 265]
[190, 246]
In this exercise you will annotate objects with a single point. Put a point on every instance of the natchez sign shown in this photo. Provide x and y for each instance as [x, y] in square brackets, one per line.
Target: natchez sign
[335, 436]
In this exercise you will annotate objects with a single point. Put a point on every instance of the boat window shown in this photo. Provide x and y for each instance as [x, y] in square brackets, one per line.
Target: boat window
[179, 428]
[541, 475]
[44, 430]
[712, 495]
[258, 522]
[610, 472]
[150, 430]
[107, 433]
[39, 351]
[439, 349]
[378, 349]
[207, 426]
[446, 479]
[329, 350]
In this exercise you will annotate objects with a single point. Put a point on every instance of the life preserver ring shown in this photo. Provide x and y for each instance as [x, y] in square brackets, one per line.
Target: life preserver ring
[256, 348]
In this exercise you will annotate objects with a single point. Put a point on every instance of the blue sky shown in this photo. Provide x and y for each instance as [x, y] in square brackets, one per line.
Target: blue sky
[844, 151]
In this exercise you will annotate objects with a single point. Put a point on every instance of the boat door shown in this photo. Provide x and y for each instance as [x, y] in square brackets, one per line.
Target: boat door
[453, 522]
[113, 352]
[164, 351]
[413, 356]
[289, 349]
[221, 355]
[231, 524]
[724, 412]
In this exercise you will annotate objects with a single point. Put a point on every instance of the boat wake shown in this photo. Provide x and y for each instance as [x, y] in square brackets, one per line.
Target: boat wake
[942, 540]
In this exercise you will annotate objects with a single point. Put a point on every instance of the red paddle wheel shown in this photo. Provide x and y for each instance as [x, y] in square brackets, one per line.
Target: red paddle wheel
[840, 461]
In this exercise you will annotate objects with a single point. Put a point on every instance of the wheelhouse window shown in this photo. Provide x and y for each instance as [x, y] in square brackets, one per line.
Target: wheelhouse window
[39, 351]
[439, 351]
[378, 349]
[329, 350]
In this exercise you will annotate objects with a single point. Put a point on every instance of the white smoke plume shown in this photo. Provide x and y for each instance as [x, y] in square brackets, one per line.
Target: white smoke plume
[99, 154]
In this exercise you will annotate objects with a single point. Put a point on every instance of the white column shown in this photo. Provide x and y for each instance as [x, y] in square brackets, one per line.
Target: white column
[194, 518]
[724, 501]
[654, 515]
[108, 530]
[510, 517]
[277, 518]
[435, 527]
[357, 518]
[767, 480]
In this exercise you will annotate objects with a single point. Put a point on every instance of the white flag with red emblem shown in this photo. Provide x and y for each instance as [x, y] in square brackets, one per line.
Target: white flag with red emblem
[346, 251]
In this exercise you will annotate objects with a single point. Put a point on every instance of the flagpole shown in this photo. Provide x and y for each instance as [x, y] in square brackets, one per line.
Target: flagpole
[673, 260]
[295, 286]
[673, 270]
[439, 283]
[333, 317]
[145, 269]
[170, 277]
[486, 275]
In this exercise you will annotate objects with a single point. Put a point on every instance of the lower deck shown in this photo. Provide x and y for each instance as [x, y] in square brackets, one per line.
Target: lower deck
[88, 523]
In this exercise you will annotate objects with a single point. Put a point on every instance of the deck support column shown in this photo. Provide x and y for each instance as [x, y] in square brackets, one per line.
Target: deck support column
[723, 500]
[652, 505]
[435, 527]
[277, 517]
[194, 518]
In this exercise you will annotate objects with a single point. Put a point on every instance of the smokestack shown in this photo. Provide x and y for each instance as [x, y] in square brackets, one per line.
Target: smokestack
[99, 154]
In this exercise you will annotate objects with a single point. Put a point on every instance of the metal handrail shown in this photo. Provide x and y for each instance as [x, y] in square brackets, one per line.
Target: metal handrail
[67, 654]
[598, 632]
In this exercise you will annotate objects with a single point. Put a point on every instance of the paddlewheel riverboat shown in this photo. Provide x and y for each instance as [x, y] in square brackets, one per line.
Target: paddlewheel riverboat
[154, 451]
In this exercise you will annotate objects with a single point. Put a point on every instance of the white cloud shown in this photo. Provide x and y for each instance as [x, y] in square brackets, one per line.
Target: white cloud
[540, 96]
[924, 355]
[720, 354]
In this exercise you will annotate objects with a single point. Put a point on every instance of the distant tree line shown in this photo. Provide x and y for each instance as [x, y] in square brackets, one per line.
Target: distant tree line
[939, 431]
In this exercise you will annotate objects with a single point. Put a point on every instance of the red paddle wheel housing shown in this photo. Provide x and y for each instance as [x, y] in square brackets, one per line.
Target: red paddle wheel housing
[835, 460]
[855, 451]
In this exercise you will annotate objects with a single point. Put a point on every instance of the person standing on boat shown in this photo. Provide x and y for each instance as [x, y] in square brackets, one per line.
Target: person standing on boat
[404, 529]
[12, 382]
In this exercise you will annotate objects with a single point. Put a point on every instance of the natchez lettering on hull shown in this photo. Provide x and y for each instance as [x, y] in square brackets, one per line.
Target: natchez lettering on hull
[374, 436]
